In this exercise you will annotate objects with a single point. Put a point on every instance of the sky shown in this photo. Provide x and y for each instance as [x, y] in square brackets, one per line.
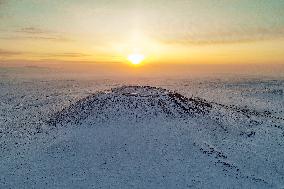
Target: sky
[164, 31]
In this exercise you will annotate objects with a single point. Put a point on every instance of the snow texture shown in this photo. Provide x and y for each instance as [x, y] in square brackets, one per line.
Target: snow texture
[66, 134]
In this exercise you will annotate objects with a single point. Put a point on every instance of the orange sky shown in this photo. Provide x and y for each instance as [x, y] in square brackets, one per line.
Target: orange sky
[165, 32]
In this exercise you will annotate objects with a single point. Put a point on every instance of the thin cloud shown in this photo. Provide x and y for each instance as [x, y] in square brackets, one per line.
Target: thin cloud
[9, 53]
[65, 55]
[34, 33]
[33, 30]
[223, 37]
[51, 38]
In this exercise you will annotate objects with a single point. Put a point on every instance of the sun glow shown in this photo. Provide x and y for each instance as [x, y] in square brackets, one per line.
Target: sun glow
[136, 58]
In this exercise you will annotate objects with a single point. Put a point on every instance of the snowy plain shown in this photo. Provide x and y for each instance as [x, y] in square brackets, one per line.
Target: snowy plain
[214, 132]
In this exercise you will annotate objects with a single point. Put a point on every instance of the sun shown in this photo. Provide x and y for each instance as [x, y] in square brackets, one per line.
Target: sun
[136, 58]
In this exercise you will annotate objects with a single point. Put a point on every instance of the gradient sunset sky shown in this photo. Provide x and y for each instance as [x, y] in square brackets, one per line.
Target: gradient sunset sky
[165, 31]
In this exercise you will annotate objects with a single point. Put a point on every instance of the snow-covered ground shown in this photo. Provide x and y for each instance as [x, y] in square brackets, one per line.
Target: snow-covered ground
[180, 133]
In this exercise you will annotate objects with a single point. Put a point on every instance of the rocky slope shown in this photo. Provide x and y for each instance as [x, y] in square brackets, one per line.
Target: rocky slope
[131, 103]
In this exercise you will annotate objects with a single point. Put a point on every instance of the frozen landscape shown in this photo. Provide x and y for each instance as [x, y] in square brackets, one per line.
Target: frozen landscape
[141, 133]
[142, 94]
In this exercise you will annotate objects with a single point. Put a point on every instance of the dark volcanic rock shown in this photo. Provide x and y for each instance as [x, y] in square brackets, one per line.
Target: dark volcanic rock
[131, 103]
